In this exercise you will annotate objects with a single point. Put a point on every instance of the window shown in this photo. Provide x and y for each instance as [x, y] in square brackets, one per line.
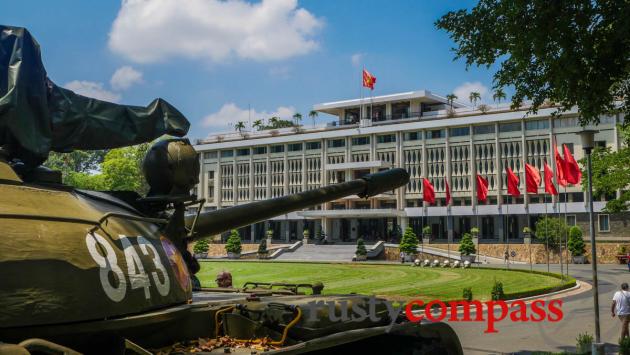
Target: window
[532, 125]
[435, 134]
[336, 143]
[386, 138]
[210, 155]
[242, 152]
[361, 140]
[412, 136]
[509, 127]
[600, 144]
[459, 131]
[564, 122]
[260, 150]
[295, 147]
[277, 148]
[227, 153]
[603, 223]
[571, 220]
[313, 145]
[485, 129]
[211, 175]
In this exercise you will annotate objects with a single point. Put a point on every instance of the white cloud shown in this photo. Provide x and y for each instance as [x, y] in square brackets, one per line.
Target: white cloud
[229, 114]
[124, 77]
[463, 91]
[357, 59]
[92, 89]
[153, 30]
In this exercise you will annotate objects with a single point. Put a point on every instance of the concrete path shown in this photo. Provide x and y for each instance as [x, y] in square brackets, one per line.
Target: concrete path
[311, 252]
[527, 337]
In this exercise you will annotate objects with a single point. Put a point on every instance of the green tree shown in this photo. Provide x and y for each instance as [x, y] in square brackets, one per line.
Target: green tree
[474, 97]
[262, 247]
[122, 169]
[75, 162]
[274, 122]
[313, 115]
[549, 230]
[361, 247]
[611, 172]
[450, 98]
[258, 125]
[233, 244]
[466, 245]
[297, 118]
[572, 52]
[201, 246]
[409, 242]
[498, 95]
[576, 242]
[239, 126]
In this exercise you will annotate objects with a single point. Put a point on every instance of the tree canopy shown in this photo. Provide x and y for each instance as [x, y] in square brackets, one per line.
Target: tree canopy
[573, 52]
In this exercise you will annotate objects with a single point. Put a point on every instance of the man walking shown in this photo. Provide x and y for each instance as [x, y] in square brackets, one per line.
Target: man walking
[621, 308]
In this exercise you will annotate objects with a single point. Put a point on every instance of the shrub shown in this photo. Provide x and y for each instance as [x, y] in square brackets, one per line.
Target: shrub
[409, 242]
[270, 233]
[474, 231]
[306, 233]
[426, 231]
[497, 291]
[466, 245]
[361, 247]
[467, 295]
[576, 243]
[624, 346]
[622, 250]
[584, 342]
[262, 247]
[201, 246]
[527, 230]
[549, 230]
[233, 244]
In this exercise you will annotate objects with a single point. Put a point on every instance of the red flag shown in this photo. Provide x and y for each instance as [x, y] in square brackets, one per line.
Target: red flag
[532, 178]
[512, 183]
[482, 188]
[560, 169]
[448, 192]
[428, 193]
[572, 172]
[549, 187]
[368, 80]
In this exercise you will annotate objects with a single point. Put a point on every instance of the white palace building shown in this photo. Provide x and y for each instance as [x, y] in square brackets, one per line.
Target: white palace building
[417, 131]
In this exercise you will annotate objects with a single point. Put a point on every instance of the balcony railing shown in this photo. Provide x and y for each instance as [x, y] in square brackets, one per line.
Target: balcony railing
[381, 118]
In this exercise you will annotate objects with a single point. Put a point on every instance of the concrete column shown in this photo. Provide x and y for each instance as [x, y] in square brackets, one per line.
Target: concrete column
[286, 231]
[234, 182]
[499, 164]
[218, 182]
[251, 176]
[268, 178]
[473, 181]
[403, 222]
[304, 167]
[300, 229]
[285, 176]
[252, 232]
[354, 229]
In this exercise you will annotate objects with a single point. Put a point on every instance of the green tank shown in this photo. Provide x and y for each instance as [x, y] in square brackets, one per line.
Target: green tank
[109, 271]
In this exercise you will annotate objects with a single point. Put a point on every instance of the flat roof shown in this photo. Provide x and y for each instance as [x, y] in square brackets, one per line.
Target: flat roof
[424, 96]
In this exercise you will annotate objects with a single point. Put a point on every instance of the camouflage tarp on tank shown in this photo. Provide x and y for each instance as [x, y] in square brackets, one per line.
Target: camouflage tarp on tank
[37, 116]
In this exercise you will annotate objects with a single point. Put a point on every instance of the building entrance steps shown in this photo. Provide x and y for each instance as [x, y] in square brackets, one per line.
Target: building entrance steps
[311, 252]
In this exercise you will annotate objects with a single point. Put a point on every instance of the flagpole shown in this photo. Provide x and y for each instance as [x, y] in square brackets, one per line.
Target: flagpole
[566, 234]
[507, 238]
[546, 235]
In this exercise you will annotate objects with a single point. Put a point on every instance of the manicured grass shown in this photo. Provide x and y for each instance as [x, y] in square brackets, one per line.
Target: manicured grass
[391, 281]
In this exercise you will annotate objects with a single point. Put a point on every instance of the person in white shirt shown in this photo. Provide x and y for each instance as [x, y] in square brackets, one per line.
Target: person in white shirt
[621, 308]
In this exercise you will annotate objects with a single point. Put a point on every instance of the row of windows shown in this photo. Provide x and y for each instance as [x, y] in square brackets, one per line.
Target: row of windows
[530, 125]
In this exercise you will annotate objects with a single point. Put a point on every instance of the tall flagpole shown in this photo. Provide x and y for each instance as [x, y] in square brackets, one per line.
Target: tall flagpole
[546, 235]
[507, 238]
[566, 235]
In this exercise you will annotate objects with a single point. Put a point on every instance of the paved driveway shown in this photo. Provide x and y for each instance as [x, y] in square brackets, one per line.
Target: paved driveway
[545, 336]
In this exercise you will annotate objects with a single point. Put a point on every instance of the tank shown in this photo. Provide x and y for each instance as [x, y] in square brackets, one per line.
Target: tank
[109, 271]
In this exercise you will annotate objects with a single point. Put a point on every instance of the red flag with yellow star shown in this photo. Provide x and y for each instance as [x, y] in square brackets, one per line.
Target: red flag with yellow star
[368, 80]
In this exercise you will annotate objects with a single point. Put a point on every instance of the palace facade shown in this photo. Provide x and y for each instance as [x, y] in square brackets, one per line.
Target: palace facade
[426, 135]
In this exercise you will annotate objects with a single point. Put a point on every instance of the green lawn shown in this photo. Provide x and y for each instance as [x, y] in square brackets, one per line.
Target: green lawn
[393, 281]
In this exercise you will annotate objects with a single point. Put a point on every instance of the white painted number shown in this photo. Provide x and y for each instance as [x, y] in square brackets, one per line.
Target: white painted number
[138, 278]
[108, 263]
[162, 287]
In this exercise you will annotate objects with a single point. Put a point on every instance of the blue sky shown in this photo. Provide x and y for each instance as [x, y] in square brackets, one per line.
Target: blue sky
[215, 59]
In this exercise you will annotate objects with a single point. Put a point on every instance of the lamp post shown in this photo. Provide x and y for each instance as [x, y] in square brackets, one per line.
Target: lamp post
[588, 142]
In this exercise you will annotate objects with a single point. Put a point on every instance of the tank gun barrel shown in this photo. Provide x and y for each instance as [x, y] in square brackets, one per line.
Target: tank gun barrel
[214, 222]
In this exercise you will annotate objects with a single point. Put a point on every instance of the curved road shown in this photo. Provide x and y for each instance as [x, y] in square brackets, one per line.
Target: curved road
[527, 337]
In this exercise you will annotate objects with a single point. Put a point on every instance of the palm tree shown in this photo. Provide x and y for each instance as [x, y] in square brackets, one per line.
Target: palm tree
[258, 124]
[450, 98]
[297, 117]
[313, 115]
[498, 96]
[239, 126]
[474, 97]
[274, 121]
